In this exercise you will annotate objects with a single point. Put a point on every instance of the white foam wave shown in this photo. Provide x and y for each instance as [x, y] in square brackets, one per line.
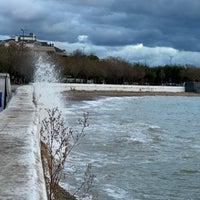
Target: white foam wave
[137, 133]
[115, 192]
[107, 103]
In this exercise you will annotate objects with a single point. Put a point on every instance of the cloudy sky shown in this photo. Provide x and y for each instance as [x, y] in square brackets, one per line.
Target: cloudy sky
[155, 32]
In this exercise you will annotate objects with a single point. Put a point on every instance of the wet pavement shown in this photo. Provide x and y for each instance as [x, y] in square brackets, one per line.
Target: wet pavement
[21, 174]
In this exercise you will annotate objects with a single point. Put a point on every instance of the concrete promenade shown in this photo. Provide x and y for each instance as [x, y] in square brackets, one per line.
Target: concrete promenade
[21, 173]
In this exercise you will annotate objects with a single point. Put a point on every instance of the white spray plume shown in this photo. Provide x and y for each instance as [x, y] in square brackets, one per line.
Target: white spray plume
[46, 79]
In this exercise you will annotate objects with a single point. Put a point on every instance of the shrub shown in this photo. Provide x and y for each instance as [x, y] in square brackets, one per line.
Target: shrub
[59, 142]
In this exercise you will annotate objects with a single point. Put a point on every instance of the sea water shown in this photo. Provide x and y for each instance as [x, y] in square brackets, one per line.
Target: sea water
[140, 147]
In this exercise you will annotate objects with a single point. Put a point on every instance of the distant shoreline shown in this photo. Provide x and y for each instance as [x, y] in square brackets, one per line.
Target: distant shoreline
[82, 93]
[90, 95]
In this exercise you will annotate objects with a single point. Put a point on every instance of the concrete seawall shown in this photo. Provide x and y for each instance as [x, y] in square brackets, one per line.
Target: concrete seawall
[118, 88]
[21, 174]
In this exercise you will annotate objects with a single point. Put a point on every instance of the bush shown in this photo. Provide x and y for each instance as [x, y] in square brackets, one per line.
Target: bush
[58, 141]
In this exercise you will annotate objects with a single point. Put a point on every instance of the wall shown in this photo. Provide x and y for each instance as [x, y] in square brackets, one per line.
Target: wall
[119, 88]
[5, 90]
[21, 174]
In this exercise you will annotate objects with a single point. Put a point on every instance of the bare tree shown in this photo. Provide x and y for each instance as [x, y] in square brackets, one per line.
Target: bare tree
[59, 141]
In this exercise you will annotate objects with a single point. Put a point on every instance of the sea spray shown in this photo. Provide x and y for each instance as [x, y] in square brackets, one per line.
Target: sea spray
[46, 79]
[48, 96]
[49, 103]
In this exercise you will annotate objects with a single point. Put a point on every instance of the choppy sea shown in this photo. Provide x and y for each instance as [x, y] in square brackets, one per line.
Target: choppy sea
[139, 147]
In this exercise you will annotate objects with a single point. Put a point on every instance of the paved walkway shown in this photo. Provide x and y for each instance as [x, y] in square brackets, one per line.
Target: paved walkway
[21, 174]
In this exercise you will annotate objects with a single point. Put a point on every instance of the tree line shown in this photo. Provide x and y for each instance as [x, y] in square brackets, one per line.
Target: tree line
[18, 62]
[78, 67]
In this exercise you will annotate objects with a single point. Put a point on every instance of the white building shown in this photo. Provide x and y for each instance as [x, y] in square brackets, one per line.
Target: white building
[31, 42]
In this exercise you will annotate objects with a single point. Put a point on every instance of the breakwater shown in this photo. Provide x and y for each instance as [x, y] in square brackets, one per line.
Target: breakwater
[21, 174]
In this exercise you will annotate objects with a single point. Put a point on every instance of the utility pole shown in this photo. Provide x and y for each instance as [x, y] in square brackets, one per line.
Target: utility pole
[170, 58]
[23, 30]
[23, 33]
[83, 51]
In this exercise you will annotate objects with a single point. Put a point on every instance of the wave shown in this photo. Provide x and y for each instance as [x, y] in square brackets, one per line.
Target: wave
[116, 192]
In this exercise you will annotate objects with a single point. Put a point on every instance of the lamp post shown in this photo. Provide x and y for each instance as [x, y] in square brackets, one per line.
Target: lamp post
[83, 51]
[22, 32]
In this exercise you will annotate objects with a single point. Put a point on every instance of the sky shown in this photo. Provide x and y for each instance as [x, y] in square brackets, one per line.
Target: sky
[153, 32]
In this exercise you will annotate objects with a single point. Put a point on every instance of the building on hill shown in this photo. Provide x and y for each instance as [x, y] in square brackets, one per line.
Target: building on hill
[31, 42]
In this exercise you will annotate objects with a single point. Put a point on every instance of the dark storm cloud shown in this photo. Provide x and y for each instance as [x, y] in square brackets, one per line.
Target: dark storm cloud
[173, 23]
[106, 23]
